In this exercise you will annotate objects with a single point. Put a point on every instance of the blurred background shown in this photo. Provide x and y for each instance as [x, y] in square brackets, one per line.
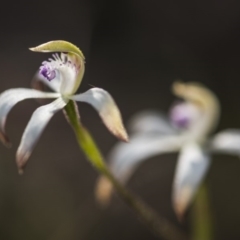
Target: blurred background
[134, 49]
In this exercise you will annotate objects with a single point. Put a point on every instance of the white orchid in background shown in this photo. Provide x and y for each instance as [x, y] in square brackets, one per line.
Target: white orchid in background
[186, 130]
[63, 74]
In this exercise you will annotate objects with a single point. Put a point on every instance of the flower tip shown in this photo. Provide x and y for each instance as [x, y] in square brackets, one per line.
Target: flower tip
[32, 49]
[5, 140]
[58, 46]
[179, 211]
[178, 87]
[103, 191]
[181, 203]
[21, 160]
[36, 49]
[115, 126]
[20, 171]
[122, 135]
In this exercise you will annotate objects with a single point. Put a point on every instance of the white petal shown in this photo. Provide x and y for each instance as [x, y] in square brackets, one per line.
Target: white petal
[12, 96]
[35, 127]
[151, 121]
[227, 141]
[107, 109]
[192, 165]
[126, 157]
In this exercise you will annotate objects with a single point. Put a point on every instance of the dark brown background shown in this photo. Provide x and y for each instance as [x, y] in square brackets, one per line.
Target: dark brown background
[134, 49]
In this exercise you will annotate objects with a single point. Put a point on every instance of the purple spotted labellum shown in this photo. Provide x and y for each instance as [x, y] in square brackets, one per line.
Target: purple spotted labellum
[183, 115]
[47, 72]
[179, 117]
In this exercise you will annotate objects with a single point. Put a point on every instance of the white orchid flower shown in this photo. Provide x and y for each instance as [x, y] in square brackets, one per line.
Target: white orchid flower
[185, 131]
[63, 74]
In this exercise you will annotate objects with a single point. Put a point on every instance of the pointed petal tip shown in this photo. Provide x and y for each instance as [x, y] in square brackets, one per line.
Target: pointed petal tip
[125, 136]
[103, 102]
[37, 49]
[21, 160]
[126, 139]
[5, 140]
[58, 46]
[179, 211]
[181, 202]
[20, 171]
[116, 128]
[122, 135]
[103, 191]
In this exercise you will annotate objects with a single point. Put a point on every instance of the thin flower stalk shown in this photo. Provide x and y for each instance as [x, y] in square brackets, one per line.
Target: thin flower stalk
[202, 222]
[158, 225]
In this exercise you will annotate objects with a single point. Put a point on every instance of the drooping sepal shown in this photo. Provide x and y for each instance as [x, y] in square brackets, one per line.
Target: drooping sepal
[34, 129]
[125, 158]
[103, 102]
[9, 98]
[192, 166]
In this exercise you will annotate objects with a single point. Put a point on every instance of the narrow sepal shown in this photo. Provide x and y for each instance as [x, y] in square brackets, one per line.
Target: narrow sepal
[125, 158]
[191, 168]
[102, 101]
[226, 141]
[9, 98]
[151, 122]
[34, 129]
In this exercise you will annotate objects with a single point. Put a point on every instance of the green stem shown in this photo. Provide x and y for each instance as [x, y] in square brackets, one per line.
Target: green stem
[202, 222]
[160, 226]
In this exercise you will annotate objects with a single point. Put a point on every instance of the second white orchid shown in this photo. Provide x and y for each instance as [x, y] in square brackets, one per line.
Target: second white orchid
[186, 130]
[63, 74]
